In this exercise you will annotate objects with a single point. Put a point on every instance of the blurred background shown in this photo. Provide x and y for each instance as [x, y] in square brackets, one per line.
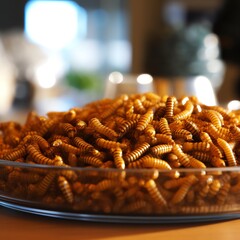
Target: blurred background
[59, 54]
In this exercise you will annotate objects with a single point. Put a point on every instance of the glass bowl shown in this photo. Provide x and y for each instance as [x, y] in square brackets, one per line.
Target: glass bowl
[113, 195]
[136, 158]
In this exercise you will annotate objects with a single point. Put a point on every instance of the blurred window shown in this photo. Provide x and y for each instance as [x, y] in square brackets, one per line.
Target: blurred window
[54, 24]
[92, 36]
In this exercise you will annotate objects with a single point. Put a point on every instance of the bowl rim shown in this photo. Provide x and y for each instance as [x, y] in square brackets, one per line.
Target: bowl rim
[5, 163]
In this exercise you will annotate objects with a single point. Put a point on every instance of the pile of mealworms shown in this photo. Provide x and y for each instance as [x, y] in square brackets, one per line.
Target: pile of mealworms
[131, 153]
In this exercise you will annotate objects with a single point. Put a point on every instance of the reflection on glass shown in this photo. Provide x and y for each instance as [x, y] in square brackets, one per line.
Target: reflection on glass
[118, 84]
[233, 105]
[115, 77]
[144, 79]
[203, 89]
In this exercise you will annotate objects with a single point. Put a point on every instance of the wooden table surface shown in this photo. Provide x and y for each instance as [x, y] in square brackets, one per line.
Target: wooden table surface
[18, 225]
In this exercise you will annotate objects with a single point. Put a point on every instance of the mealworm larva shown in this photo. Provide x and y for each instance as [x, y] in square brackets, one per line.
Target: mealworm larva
[10, 125]
[118, 159]
[193, 128]
[77, 187]
[38, 157]
[113, 107]
[183, 158]
[99, 127]
[182, 133]
[42, 187]
[127, 126]
[24, 177]
[106, 185]
[134, 207]
[102, 200]
[185, 113]
[196, 146]
[236, 187]
[142, 176]
[217, 162]
[83, 145]
[12, 138]
[72, 160]
[171, 101]
[98, 154]
[135, 164]
[15, 154]
[235, 130]
[228, 152]
[222, 194]
[167, 194]
[150, 132]
[225, 114]
[54, 114]
[68, 174]
[173, 160]
[205, 137]
[51, 152]
[190, 196]
[216, 133]
[148, 104]
[55, 137]
[80, 125]
[163, 138]
[160, 149]
[136, 153]
[174, 183]
[66, 147]
[69, 115]
[153, 97]
[183, 189]
[160, 112]
[121, 112]
[155, 193]
[164, 127]
[138, 106]
[110, 123]
[5, 147]
[119, 120]
[214, 117]
[46, 125]
[151, 162]
[156, 125]
[68, 129]
[144, 120]
[202, 156]
[206, 179]
[11, 135]
[176, 125]
[93, 161]
[130, 115]
[215, 151]
[214, 188]
[203, 192]
[107, 164]
[42, 142]
[65, 189]
[195, 163]
[101, 142]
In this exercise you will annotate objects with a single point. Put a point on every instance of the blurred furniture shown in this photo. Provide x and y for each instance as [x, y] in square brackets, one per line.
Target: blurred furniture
[153, 22]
